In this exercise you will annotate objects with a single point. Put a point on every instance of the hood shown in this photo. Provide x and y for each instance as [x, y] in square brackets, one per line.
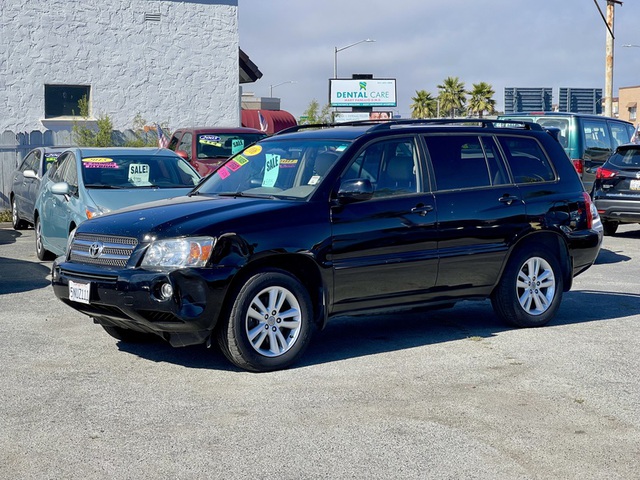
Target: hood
[194, 215]
[116, 199]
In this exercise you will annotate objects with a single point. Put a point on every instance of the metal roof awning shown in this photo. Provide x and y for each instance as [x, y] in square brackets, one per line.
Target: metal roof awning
[249, 72]
[272, 121]
[632, 104]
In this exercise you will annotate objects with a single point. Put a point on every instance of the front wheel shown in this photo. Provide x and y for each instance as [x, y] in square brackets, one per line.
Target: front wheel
[270, 324]
[41, 252]
[18, 223]
[530, 290]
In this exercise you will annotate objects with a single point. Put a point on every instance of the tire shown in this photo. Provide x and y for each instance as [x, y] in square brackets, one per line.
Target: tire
[130, 336]
[41, 252]
[270, 323]
[18, 223]
[609, 228]
[530, 290]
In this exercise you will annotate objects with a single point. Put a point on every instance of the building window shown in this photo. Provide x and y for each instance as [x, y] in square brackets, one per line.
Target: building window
[63, 100]
[632, 113]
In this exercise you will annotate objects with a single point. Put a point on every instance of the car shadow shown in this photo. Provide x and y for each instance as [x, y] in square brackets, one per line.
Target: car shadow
[8, 236]
[358, 336]
[606, 257]
[22, 276]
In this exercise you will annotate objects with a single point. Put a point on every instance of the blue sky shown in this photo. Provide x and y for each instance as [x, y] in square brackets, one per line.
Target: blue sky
[506, 43]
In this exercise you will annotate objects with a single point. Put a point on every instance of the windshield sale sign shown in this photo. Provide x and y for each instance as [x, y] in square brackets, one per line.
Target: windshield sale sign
[371, 92]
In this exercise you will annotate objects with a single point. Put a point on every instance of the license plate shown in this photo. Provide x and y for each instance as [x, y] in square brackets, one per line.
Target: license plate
[79, 292]
[635, 185]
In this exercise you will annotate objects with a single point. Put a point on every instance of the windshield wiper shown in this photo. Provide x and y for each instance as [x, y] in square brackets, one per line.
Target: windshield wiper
[244, 194]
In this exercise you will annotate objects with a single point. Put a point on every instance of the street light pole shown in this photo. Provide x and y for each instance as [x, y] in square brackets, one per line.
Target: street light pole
[336, 50]
[271, 87]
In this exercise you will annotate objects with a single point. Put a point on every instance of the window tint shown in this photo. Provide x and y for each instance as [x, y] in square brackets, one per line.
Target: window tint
[185, 144]
[390, 166]
[626, 158]
[619, 133]
[596, 134]
[27, 163]
[464, 161]
[526, 159]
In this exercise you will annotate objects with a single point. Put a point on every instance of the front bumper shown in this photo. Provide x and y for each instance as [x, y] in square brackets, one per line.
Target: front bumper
[133, 298]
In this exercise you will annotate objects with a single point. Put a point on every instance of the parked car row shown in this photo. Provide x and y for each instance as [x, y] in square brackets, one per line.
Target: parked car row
[318, 222]
[57, 189]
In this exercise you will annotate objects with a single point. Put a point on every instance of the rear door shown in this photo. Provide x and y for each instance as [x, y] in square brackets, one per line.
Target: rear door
[480, 211]
[384, 250]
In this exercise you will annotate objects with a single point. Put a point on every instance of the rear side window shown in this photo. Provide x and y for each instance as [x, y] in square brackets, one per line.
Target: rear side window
[619, 133]
[464, 161]
[527, 160]
[596, 135]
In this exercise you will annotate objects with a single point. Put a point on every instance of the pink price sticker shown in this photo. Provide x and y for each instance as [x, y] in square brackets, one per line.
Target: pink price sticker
[223, 172]
[233, 166]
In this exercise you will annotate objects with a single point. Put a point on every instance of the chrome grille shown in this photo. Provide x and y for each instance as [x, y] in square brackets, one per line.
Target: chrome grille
[102, 250]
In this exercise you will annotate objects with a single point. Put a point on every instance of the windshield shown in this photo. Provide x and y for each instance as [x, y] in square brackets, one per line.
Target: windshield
[282, 169]
[136, 171]
[224, 144]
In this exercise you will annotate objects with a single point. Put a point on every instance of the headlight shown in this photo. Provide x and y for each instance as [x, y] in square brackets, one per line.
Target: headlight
[179, 252]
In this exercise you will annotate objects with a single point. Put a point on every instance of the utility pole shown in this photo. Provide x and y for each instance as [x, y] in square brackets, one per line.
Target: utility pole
[608, 79]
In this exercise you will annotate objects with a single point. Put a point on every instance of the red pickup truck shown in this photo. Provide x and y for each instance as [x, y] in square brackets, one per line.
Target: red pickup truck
[207, 147]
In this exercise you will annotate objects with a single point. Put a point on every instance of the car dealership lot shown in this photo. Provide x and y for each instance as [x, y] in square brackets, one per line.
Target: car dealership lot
[442, 394]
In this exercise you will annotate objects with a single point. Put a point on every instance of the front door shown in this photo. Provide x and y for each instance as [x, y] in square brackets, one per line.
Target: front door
[384, 249]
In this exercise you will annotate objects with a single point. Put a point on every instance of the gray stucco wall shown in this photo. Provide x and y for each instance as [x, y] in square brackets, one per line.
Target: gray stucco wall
[172, 62]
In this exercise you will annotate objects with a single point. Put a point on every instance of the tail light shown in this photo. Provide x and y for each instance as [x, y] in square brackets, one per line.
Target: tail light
[578, 164]
[602, 173]
[589, 207]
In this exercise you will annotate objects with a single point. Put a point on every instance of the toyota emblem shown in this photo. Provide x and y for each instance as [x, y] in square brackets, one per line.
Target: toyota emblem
[95, 250]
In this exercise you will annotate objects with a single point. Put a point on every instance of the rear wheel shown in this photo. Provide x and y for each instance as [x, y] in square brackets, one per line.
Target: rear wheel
[18, 223]
[43, 253]
[270, 324]
[530, 290]
[609, 228]
[130, 336]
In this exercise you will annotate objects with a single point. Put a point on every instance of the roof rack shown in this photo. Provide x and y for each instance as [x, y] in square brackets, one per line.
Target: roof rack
[482, 122]
[377, 125]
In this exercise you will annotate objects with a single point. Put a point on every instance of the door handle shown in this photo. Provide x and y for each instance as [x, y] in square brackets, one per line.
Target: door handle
[508, 199]
[422, 210]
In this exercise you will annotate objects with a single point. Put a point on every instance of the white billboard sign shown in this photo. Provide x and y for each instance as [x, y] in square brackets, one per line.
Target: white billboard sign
[372, 92]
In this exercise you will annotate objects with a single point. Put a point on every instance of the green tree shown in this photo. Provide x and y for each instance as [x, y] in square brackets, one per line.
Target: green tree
[85, 136]
[481, 99]
[313, 114]
[452, 96]
[424, 105]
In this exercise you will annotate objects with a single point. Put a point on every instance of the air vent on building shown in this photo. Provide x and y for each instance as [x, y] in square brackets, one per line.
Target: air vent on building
[151, 17]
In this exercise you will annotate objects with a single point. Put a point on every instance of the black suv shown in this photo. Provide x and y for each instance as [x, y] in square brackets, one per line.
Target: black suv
[334, 219]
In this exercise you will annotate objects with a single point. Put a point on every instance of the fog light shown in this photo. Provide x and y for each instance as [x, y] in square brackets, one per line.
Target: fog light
[166, 291]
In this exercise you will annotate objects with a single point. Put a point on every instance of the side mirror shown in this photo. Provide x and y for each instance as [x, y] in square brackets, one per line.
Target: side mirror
[29, 174]
[183, 154]
[355, 190]
[60, 188]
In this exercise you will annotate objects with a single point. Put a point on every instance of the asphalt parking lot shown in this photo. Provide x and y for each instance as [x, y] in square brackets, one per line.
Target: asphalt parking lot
[450, 394]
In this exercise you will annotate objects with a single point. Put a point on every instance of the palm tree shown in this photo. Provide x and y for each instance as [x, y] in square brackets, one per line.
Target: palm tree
[424, 105]
[482, 99]
[452, 96]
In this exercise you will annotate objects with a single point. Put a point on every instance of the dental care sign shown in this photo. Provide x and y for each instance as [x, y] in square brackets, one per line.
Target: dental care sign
[379, 92]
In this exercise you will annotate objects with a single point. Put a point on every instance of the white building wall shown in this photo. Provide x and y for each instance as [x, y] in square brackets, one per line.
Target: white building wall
[181, 71]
